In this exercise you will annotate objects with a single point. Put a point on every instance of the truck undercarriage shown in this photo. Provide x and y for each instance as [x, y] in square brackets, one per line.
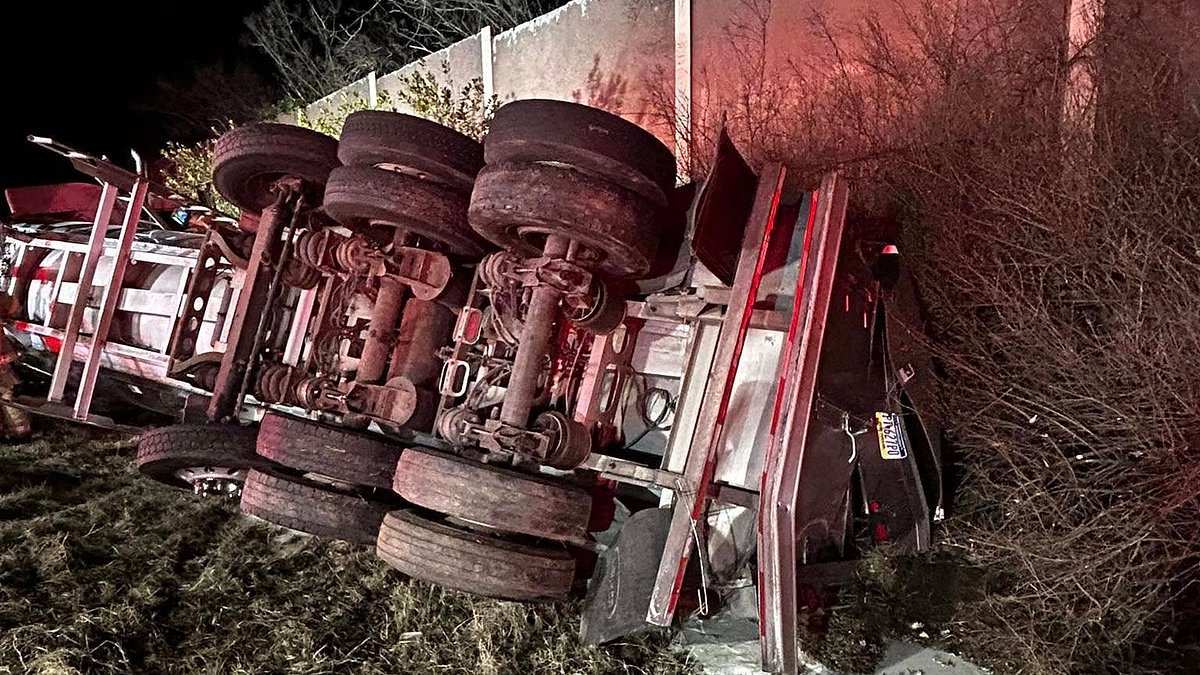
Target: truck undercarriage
[504, 364]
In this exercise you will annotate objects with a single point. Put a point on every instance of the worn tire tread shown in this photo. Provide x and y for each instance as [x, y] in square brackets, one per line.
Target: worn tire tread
[476, 563]
[356, 196]
[512, 199]
[298, 505]
[499, 497]
[371, 137]
[247, 158]
[590, 139]
[342, 454]
[163, 451]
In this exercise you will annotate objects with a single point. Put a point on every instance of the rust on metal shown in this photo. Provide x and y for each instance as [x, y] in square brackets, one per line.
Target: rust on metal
[569, 441]
[535, 338]
[252, 304]
[187, 329]
[381, 332]
[424, 328]
[394, 402]
[425, 273]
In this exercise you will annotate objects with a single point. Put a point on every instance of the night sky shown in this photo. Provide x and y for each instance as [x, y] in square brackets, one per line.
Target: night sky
[87, 75]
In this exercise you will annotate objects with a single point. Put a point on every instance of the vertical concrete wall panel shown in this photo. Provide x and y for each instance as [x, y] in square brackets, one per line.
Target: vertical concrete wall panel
[769, 68]
[617, 55]
[453, 67]
[356, 90]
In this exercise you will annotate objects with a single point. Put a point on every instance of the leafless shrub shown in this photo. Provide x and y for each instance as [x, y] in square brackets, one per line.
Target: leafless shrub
[320, 45]
[1063, 305]
[1061, 267]
[1060, 270]
[913, 74]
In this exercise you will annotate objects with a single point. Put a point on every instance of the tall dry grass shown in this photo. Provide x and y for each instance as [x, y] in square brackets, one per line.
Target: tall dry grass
[103, 571]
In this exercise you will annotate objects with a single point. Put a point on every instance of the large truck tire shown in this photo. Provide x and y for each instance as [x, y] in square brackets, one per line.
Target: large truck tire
[302, 506]
[165, 452]
[248, 160]
[341, 454]
[362, 196]
[466, 560]
[515, 206]
[589, 139]
[412, 145]
[498, 497]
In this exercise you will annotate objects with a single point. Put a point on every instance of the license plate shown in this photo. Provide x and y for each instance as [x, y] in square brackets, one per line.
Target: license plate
[892, 442]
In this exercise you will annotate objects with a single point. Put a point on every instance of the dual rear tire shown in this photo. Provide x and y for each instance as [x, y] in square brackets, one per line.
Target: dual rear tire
[312, 508]
[408, 173]
[482, 529]
[554, 168]
[386, 169]
[558, 168]
[329, 481]
[442, 553]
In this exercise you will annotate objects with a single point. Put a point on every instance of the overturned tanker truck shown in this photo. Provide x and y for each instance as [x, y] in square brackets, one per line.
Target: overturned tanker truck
[526, 369]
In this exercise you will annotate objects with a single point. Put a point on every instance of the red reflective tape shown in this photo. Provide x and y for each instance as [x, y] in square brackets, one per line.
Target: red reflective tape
[762, 609]
[775, 442]
[682, 565]
[794, 322]
[788, 346]
[52, 343]
[700, 499]
[747, 313]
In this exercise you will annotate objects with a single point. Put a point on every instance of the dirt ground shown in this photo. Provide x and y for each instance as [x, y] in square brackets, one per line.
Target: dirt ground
[102, 571]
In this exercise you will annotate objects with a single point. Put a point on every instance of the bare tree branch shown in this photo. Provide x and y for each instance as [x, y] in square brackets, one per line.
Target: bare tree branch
[318, 46]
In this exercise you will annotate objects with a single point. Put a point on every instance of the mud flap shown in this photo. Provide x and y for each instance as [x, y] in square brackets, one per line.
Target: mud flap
[723, 206]
[618, 594]
[911, 364]
[824, 493]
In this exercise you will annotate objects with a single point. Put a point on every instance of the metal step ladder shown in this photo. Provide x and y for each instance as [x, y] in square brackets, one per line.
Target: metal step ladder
[114, 180]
